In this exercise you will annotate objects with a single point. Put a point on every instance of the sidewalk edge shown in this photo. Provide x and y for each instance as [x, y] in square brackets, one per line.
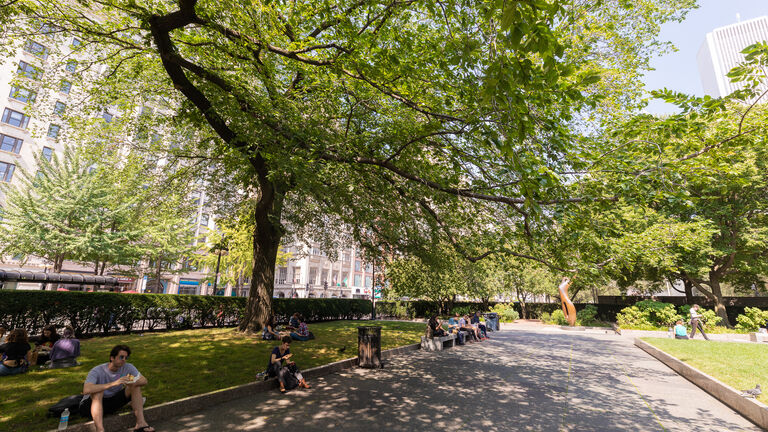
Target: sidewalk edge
[751, 409]
[195, 403]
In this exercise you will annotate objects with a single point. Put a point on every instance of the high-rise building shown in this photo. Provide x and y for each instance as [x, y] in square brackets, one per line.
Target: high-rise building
[721, 52]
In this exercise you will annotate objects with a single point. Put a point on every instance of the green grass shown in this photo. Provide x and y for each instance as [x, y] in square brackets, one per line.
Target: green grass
[181, 364]
[708, 329]
[740, 365]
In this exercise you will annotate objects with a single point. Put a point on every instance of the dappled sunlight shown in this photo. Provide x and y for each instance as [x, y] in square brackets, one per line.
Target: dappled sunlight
[179, 364]
[515, 381]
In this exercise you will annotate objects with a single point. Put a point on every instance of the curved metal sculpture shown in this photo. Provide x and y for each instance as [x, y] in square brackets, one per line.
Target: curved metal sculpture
[568, 309]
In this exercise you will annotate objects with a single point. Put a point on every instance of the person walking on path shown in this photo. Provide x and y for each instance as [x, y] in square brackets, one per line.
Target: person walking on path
[696, 322]
[109, 386]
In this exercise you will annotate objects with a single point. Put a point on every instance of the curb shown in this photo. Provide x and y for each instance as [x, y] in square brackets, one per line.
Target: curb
[753, 410]
[195, 403]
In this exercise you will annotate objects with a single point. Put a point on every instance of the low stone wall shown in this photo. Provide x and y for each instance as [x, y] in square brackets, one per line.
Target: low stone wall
[195, 403]
[749, 408]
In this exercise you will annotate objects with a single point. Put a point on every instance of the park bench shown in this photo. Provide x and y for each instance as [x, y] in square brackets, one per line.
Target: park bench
[437, 343]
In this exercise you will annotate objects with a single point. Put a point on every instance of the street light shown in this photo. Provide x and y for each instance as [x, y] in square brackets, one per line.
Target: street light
[220, 247]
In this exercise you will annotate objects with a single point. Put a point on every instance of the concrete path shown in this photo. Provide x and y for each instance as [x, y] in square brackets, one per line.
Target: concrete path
[527, 379]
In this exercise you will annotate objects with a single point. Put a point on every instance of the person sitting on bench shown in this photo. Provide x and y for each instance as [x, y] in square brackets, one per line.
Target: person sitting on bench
[436, 327]
[109, 386]
[465, 325]
[454, 327]
[475, 321]
[288, 374]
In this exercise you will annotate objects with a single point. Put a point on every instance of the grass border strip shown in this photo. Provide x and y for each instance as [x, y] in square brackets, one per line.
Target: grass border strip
[195, 403]
[753, 410]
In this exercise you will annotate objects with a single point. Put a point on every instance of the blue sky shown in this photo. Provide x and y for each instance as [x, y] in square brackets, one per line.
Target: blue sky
[678, 70]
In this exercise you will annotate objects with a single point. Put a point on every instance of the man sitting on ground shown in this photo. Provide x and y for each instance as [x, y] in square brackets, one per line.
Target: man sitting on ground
[66, 350]
[110, 386]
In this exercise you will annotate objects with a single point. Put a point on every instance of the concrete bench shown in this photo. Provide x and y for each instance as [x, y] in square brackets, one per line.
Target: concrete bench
[437, 343]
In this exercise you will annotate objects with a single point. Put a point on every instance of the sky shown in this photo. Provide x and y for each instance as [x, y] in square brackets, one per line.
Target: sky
[678, 70]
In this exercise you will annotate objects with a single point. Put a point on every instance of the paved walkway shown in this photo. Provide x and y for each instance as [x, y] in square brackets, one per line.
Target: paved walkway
[527, 379]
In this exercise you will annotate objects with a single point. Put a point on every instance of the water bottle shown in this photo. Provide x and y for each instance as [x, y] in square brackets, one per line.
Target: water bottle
[64, 419]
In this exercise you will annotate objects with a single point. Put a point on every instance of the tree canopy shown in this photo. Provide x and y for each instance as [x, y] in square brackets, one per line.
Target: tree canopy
[413, 122]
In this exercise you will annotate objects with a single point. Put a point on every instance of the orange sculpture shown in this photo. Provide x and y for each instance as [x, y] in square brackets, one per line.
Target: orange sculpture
[568, 309]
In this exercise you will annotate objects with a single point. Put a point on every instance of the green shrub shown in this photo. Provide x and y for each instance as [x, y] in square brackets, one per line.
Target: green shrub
[647, 314]
[558, 317]
[545, 317]
[752, 319]
[586, 316]
[506, 311]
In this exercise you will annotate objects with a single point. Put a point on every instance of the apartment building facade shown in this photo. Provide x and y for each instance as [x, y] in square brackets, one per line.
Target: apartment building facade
[721, 52]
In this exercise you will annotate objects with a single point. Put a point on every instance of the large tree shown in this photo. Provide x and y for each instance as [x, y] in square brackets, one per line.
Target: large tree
[414, 121]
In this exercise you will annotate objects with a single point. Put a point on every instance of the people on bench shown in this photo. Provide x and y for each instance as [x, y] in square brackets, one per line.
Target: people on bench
[454, 327]
[436, 327]
[474, 333]
[477, 322]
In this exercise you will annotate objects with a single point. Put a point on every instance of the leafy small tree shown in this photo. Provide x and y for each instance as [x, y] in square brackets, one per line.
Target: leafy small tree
[65, 211]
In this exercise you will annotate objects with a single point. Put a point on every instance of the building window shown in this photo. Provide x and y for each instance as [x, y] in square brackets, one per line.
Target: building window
[36, 49]
[6, 171]
[368, 281]
[107, 116]
[368, 268]
[65, 87]
[76, 42]
[71, 66]
[23, 95]
[46, 28]
[15, 118]
[10, 144]
[59, 108]
[30, 71]
[47, 153]
[204, 219]
[53, 131]
[358, 280]
[358, 266]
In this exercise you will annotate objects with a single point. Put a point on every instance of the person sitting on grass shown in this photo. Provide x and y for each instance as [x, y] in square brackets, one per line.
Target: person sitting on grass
[435, 327]
[302, 334]
[680, 331]
[3, 334]
[269, 332]
[109, 386]
[293, 322]
[66, 350]
[15, 351]
[43, 346]
[476, 322]
[286, 371]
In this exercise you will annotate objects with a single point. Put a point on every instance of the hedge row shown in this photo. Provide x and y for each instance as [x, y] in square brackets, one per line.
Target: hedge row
[103, 312]
[425, 308]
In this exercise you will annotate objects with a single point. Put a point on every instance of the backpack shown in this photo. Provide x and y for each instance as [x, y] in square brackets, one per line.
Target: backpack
[70, 402]
[291, 382]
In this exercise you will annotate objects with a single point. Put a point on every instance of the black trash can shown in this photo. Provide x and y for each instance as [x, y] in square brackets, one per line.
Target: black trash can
[492, 321]
[369, 347]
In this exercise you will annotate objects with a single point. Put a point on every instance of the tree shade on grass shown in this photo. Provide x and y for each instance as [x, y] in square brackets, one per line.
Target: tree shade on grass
[740, 365]
[181, 364]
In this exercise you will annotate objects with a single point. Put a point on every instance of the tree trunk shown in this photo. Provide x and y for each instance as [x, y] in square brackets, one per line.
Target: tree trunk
[688, 291]
[266, 241]
[96, 268]
[521, 299]
[714, 282]
[158, 282]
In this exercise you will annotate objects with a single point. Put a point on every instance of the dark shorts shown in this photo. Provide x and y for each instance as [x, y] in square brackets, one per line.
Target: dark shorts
[111, 404]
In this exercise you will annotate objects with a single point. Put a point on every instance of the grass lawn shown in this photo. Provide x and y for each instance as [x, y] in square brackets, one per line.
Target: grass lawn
[181, 364]
[740, 365]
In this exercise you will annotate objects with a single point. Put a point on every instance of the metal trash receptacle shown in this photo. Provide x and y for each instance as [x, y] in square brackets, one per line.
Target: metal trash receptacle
[369, 346]
[492, 321]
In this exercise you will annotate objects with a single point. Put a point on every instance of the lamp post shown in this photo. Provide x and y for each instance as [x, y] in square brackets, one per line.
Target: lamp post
[373, 290]
[220, 247]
